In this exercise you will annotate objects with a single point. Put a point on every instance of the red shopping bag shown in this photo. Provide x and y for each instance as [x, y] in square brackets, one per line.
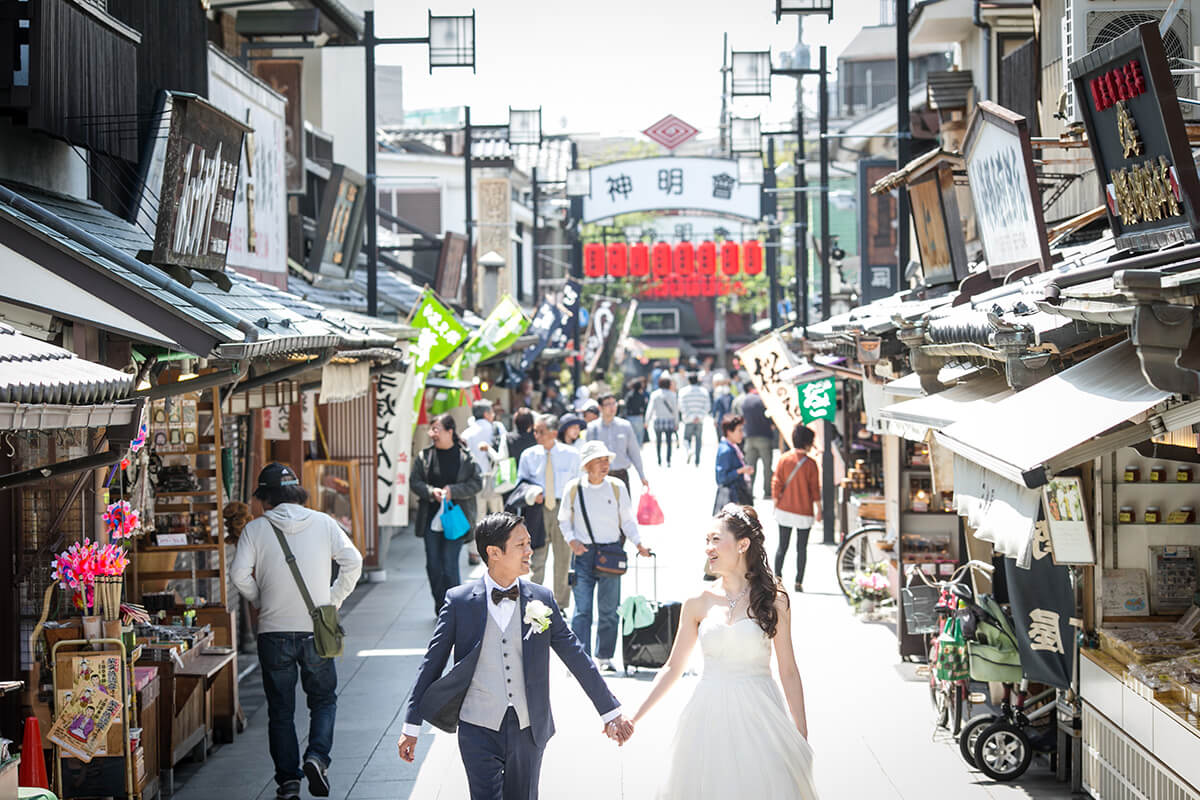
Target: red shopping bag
[649, 512]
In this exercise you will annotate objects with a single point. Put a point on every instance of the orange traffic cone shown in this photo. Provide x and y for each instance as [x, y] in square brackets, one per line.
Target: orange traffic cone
[32, 771]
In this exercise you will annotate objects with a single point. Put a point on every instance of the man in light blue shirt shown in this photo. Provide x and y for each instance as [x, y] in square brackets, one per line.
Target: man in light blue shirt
[551, 465]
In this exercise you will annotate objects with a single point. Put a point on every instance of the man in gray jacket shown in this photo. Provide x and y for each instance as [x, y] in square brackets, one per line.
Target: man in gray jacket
[285, 629]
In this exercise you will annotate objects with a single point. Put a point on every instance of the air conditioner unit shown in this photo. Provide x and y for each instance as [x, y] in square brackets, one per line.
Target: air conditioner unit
[1089, 24]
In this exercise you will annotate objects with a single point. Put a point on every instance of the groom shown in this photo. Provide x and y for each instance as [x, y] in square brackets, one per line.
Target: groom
[497, 694]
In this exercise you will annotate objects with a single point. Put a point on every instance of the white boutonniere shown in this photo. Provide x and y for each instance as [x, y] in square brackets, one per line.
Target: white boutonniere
[537, 617]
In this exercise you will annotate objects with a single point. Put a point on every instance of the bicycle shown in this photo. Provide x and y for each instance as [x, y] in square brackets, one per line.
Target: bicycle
[856, 554]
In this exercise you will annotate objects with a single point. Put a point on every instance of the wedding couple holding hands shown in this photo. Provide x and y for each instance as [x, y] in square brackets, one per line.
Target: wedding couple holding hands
[500, 630]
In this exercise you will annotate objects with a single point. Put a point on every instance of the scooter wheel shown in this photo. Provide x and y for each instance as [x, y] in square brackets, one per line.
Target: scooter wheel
[1003, 751]
[970, 735]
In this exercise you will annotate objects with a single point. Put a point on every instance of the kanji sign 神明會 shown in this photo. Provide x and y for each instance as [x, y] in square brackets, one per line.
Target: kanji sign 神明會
[667, 183]
[1136, 132]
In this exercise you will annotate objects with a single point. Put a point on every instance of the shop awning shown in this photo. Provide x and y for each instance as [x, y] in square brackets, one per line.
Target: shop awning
[1068, 419]
[913, 419]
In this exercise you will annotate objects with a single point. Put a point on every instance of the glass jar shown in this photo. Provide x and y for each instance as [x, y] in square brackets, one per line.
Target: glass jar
[1153, 517]
[1133, 473]
[1125, 514]
[1158, 474]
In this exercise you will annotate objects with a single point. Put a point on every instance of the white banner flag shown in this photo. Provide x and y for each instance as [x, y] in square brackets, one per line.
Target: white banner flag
[394, 416]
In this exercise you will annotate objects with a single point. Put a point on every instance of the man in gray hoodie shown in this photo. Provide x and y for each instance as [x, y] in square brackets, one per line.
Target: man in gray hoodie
[285, 630]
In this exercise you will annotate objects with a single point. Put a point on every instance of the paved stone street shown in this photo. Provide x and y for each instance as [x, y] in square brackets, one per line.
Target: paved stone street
[869, 716]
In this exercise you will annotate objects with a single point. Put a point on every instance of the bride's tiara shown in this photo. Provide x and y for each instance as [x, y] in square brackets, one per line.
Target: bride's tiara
[735, 510]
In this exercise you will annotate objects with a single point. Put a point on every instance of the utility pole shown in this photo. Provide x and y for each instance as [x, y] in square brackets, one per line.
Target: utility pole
[771, 204]
[828, 489]
[800, 205]
[536, 299]
[470, 295]
[577, 270]
[372, 179]
[903, 142]
[724, 126]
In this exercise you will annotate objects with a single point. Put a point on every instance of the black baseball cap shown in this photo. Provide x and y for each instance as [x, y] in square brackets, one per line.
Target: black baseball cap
[273, 476]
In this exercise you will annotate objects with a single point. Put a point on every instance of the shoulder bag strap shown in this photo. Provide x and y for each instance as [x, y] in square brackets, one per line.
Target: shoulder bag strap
[291, 562]
[799, 464]
[587, 523]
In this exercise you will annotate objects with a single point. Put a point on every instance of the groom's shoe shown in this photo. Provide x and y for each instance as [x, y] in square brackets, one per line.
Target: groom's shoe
[288, 790]
[318, 782]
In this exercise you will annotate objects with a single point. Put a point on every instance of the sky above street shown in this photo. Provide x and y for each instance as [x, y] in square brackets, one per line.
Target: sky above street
[611, 67]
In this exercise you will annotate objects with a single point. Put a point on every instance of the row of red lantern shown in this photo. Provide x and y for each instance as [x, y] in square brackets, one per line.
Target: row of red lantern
[706, 286]
[661, 260]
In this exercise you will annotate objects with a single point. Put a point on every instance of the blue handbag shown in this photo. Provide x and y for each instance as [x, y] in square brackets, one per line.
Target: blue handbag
[454, 521]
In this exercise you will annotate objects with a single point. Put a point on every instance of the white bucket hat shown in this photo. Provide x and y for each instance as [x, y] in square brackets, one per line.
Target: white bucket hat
[592, 450]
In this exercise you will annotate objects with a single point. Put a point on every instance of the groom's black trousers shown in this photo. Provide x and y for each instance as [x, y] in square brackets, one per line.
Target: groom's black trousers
[503, 764]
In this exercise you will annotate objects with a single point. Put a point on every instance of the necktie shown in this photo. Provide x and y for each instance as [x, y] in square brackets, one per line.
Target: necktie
[501, 594]
[551, 503]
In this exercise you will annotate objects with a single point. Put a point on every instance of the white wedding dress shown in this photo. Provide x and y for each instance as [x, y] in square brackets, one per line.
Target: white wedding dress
[735, 736]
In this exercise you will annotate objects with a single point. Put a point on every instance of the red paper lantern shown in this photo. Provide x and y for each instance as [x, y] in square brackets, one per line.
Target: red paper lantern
[675, 287]
[639, 260]
[706, 258]
[708, 286]
[731, 258]
[694, 286]
[685, 259]
[660, 290]
[593, 260]
[617, 258]
[660, 260]
[754, 257]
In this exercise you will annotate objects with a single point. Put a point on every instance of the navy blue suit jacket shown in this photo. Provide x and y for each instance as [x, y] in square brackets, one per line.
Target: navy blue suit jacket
[438, 698]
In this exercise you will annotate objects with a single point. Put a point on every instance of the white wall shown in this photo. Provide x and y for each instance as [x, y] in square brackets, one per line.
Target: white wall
[38, 160]
[343, 104]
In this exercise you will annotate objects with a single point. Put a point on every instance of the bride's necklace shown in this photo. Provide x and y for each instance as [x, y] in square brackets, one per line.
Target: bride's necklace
[733, 603]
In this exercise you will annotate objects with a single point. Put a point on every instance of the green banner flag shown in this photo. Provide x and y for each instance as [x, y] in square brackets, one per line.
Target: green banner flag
[502, 327]
[438, 333]
[818, 400]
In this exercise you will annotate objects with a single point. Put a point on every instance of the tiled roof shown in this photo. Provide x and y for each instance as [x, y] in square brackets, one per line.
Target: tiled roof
[33, 371]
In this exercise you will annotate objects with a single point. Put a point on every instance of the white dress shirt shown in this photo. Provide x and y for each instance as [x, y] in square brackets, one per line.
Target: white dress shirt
[566, 466]
[502, 613]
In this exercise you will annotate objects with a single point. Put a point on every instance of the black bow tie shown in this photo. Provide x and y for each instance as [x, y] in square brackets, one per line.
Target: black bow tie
[505, 594]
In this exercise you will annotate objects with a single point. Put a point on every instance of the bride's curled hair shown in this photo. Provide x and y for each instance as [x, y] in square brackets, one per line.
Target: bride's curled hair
[742, 522]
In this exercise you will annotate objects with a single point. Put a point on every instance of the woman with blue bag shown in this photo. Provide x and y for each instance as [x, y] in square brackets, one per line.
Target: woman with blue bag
[445, 478]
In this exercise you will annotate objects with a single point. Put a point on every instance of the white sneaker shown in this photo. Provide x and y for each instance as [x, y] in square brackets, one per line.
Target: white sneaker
[605, 665]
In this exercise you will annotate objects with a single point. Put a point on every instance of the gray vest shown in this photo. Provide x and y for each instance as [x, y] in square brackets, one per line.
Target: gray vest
[499, 679]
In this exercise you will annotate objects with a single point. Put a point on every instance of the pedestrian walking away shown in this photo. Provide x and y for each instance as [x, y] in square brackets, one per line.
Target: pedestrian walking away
[694, 405]
[500, 631]
[551, 465]
[636, 401]
[796, 488]
[722, 402]
[286, 645]
[664, 417]
[621, 438]
[597, 513]
[759, 446]
[444, 471]
[487, 442]
[521, 438]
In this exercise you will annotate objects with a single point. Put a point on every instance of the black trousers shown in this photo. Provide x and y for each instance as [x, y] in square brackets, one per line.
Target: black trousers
[785, 535]
[503, 764]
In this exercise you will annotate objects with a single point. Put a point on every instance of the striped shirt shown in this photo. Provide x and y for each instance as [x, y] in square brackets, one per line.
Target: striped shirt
[694, 403]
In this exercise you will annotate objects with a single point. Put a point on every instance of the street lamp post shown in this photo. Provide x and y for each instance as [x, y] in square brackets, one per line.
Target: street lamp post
[451, 42]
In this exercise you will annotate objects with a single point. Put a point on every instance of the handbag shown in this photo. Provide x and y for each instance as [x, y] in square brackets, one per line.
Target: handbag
[454, 521]
[952, 660]
[505, 478]
[610, 557]
[328, 633]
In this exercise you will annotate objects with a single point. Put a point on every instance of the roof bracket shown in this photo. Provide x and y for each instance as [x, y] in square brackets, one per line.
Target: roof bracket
[1162, 333]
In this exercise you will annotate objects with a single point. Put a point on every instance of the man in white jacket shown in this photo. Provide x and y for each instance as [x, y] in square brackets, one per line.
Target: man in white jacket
[285, 628]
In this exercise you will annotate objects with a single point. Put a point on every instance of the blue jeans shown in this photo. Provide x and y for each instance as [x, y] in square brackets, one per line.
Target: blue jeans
[279, 654]
[694, 432]
[638, 421]
[607, 591]
[441, 565]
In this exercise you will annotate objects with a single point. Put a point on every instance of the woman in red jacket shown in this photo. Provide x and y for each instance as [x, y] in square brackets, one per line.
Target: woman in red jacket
[796, 487]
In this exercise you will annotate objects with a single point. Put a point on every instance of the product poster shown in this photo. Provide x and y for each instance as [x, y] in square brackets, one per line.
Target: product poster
[1066, 517]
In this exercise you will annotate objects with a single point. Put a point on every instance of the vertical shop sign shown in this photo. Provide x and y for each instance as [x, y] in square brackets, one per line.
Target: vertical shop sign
[937, 222]
[1008, 204]
[554, 323]
[284, 75]
[339, 229]
[394, 422]
[495, 206]
[1043, 605]
[767, 361]
[277, 422]
[877, 232]
[1139, 143]
[199, 186]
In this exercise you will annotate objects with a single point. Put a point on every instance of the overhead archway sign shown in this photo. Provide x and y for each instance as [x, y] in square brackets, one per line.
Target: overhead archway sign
[671, 184]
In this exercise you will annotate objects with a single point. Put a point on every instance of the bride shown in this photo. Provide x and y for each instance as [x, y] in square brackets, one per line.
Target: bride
[737, 704]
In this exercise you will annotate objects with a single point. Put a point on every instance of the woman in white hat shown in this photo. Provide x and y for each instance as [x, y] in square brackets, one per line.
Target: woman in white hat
[596, 516]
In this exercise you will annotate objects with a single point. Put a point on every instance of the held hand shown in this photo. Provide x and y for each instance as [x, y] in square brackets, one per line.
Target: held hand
[578, 547]
[645, 484]
[644, 551]
[483, 448]
[541, 498]
[408, 747]
[619, 730]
